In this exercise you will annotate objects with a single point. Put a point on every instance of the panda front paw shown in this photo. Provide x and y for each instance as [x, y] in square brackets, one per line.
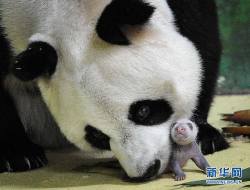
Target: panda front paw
[210, 139]
[38, 59]
[14, 158]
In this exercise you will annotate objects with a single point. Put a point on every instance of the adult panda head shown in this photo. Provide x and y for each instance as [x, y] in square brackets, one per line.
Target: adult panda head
[116, 80]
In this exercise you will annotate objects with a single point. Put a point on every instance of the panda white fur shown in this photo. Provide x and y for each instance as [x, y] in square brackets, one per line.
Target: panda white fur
[122, 73]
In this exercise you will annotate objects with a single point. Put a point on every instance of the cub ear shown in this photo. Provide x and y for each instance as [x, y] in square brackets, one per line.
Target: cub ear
[119, 13]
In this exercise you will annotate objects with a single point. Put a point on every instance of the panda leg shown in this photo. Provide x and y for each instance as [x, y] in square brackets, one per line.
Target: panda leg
[198, 21]
[209, 138]
[17, 152]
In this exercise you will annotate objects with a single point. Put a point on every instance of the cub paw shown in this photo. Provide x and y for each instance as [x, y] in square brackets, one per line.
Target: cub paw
[180, 177]
[210, 139]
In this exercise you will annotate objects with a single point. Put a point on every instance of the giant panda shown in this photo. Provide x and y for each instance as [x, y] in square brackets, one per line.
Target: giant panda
[109, 77]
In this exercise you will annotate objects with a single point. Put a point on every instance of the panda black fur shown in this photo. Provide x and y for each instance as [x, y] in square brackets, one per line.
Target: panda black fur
[195, 20]
[202, 18]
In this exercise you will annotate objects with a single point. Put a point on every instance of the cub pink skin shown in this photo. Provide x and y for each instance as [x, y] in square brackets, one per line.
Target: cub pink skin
[183, 135]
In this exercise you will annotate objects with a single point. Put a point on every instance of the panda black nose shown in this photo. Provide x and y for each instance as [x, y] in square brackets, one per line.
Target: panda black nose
[150, 173]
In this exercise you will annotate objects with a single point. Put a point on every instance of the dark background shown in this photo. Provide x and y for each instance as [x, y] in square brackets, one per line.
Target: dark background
[234, 16]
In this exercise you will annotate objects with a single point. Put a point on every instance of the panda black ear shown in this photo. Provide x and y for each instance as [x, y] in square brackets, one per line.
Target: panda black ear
[39, 59]
[119, 13]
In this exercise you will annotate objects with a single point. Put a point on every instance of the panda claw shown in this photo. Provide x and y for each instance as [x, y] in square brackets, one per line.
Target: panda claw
[27, 157]
[210, 139]
[40, 161]
[27, 162]
[8, 166]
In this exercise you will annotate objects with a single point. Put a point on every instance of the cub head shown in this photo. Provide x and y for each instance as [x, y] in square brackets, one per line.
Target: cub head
[184, 132]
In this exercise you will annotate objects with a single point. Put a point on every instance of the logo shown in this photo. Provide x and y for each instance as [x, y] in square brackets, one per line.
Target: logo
[232, 175]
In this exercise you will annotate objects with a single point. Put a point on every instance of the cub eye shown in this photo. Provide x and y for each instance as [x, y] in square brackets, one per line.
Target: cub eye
[150, 112]
[190, 125]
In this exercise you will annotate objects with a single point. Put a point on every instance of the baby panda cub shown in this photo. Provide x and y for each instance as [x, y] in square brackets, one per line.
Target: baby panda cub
[183, 134]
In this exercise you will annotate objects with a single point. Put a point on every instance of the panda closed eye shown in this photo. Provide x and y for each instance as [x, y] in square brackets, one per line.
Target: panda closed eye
[150, 112]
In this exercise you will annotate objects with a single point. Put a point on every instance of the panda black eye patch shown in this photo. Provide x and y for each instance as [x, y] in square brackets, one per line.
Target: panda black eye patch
[97, 138]
[150, 112]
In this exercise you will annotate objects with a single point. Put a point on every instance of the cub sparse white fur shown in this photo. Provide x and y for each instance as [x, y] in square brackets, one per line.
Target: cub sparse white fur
[191, 133]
